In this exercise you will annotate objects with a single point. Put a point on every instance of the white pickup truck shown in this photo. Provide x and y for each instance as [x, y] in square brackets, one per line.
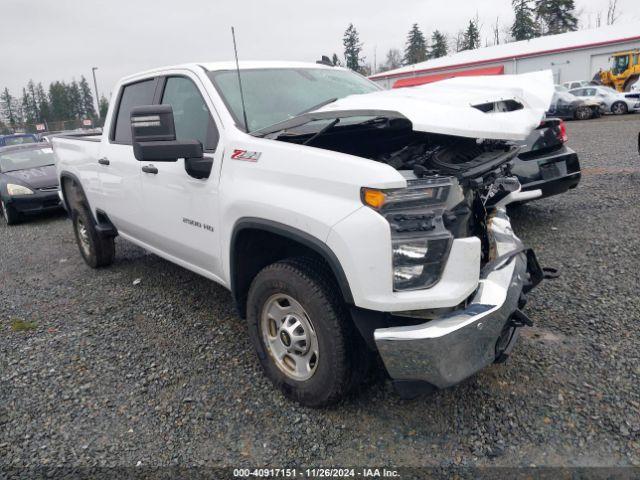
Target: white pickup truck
[345, 220]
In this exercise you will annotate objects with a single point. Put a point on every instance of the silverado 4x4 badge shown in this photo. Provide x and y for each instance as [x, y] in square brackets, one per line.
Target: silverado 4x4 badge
[245, 155]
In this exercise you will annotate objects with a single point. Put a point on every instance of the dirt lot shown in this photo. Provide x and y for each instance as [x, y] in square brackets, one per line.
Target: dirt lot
[98, 369]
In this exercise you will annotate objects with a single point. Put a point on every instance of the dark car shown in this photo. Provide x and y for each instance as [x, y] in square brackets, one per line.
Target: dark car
[567, 106]
[545, 162]
[17, 139]
[28, 181]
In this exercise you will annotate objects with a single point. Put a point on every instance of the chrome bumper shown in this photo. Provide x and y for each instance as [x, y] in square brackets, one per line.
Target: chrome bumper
[446, 350]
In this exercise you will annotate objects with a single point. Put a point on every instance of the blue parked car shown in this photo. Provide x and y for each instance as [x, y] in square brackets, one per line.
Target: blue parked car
[17, 139]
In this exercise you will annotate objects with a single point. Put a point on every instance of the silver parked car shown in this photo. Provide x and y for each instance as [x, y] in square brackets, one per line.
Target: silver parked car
[615, 102]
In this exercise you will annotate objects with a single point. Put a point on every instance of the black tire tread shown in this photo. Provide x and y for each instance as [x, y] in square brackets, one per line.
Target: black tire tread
[318, 279]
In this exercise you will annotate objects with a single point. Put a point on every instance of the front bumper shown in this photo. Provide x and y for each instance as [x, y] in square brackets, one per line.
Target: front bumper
[39, 201]
[444, 351]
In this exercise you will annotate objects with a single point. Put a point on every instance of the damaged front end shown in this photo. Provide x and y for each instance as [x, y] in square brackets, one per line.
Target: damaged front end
[458, 184]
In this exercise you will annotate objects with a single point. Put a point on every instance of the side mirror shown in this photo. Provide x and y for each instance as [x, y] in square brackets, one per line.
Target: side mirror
[153, 136]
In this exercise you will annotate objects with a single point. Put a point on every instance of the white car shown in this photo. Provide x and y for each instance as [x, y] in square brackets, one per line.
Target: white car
[344, 219]
[614, 102]
[576, 84]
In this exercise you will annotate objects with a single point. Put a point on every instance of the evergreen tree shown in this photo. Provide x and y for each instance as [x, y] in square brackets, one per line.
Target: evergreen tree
[44, 112]
[9, 109]
[103, 106]
[87, 98]
[556, 16]
[471, 36]
[59, 102]
[336, 61]
[29, 109]
[75, 100]
[524, 26]
[4, 130]
[438, 45]
[352, 48]
[415, 50]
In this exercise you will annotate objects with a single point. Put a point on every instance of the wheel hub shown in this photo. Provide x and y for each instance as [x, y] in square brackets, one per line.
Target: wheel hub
[83, 236]
[289, 337]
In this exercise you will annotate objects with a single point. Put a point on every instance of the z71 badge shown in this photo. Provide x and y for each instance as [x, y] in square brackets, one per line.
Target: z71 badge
[245, 155]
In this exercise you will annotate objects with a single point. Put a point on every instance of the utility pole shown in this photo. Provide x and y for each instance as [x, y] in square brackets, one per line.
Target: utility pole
[95, 84]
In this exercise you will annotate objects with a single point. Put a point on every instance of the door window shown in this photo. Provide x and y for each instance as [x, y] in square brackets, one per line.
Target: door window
[134, 95]
[190, 113]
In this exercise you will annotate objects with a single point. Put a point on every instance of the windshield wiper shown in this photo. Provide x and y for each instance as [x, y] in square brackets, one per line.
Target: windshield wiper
[315, 107]
[322, 130]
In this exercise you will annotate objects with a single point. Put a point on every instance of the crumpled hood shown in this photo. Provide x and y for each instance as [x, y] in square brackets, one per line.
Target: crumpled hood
[39, 177]
[447, 107]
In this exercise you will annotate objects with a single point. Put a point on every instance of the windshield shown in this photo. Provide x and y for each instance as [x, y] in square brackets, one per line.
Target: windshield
[619, 64]
[19, 140]
[24, 159]
[277, 94]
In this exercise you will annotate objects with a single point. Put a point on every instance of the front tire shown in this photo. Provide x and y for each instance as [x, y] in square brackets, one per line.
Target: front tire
[302, 332]
[619, 108]
[583, 113]
[96, 250]
[9, 214]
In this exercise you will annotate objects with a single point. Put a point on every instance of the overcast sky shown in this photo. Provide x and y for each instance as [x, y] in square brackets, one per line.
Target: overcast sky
[60, 40]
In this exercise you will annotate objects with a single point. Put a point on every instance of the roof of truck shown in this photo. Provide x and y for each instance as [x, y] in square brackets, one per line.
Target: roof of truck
[230, 65]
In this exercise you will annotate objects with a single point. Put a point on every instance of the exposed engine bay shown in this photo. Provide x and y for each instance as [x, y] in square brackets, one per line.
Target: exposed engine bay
[480, 166]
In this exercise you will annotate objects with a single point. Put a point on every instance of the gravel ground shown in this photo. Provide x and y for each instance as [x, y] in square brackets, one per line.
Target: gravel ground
[120, 373]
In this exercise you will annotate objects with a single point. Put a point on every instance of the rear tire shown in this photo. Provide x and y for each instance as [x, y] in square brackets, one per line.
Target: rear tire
[619, 108]
[298, 299]
[96, 250]
[11, 217]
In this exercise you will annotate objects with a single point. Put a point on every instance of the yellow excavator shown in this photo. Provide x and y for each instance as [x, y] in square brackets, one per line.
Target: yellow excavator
[624, 71]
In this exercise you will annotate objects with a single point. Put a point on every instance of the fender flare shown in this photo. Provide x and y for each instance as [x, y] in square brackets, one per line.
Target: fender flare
[100, 219]
[296, 235]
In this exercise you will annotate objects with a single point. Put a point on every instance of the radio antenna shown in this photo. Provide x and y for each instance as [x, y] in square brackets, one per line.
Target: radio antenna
[244, 108]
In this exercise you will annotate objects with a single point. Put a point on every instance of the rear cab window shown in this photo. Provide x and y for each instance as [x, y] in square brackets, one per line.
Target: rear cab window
[133, 95]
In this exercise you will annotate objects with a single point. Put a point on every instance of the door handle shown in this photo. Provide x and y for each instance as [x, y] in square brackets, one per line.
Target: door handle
[103, 161]
[150, 169]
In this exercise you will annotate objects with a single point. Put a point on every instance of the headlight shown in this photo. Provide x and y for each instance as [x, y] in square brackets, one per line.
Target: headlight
[420, 241]
[13, 189]
[417, 263]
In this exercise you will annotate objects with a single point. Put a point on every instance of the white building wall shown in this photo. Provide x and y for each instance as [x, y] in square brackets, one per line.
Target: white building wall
[566, 66]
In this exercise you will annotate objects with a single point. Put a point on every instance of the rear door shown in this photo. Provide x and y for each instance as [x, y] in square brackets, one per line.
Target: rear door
[181, 210]
[119, 171]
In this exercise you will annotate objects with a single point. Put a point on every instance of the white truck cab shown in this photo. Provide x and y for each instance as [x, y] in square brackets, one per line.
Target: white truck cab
[346, 221]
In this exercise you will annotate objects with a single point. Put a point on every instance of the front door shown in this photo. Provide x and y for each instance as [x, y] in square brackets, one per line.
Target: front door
[181, 210]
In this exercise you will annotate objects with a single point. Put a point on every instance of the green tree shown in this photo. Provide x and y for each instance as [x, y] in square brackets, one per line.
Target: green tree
[336, 61]
[87, 98]
[556, 16]
[524, 26]
[61, 108]
[42, 100]
[415, 50]
[4, 129]
[439, 46]
[29, 109]
[352, 48]
[9, 108]
[471, 36]
[75, 100]
[104, 106]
